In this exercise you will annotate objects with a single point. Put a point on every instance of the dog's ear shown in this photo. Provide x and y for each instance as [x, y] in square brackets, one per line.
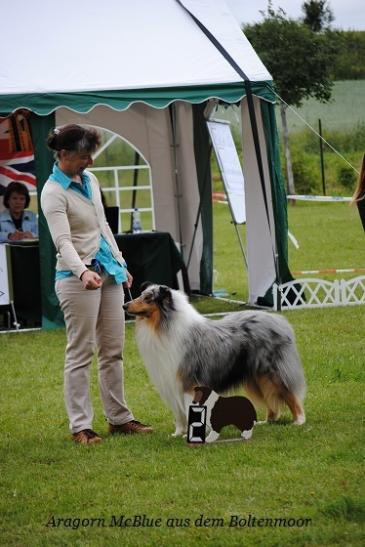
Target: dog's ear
[165, 297]
[145, 285]
[164, 292]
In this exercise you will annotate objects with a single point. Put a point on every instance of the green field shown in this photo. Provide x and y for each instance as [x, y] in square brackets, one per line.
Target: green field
[308, 480]
[344, 111]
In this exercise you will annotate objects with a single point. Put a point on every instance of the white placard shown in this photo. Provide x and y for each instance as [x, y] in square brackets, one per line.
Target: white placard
[4, 278]
[230, 167]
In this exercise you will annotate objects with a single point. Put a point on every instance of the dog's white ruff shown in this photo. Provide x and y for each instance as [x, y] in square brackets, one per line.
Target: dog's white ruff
[162, 355]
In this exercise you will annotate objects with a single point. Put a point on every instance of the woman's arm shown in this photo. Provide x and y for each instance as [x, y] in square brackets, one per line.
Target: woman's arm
[54, 206]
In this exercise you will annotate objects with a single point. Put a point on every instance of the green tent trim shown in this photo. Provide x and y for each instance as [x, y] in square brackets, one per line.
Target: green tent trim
[84, 101]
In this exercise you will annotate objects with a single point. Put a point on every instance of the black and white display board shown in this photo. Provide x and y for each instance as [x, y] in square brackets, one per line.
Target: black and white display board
[4, 277]
[230, 167]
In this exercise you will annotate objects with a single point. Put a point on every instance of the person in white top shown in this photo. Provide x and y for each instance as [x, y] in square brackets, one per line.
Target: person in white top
[90, 273]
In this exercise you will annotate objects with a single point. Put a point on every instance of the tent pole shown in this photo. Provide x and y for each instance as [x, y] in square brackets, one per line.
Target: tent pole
[241, 245]
[178, 194]
[200, 207]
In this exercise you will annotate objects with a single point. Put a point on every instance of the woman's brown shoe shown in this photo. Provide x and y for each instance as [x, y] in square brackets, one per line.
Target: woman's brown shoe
[86, 436]
[129, 428]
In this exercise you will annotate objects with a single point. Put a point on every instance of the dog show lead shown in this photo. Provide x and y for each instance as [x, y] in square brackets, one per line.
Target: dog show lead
[90, 273]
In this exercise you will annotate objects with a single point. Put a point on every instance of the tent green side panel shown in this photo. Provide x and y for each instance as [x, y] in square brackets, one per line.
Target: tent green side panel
[51, 314]
[278, 197]
[46, 103]
[202, 151]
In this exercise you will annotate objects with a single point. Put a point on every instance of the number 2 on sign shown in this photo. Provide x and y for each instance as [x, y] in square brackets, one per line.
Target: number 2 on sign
[196, 424]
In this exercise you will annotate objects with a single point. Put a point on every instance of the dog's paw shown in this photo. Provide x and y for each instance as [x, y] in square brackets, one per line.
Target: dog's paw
[300, 420]
[246, 435]
[178, 433]
[212, 437]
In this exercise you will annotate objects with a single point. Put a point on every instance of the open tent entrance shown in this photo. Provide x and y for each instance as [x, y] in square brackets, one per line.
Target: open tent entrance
[125, 180]
[173, 145]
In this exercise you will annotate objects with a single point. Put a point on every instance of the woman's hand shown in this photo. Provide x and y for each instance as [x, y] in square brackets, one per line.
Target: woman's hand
[16, 236]
[28, 235]
[91, 280]
[19, 235]
[129, 281]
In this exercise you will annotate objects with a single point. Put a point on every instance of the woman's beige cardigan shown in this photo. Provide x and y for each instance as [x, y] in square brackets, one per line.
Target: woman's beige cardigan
[76, 224]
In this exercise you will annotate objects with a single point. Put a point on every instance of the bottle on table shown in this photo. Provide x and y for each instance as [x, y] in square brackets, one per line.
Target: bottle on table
[136, 222]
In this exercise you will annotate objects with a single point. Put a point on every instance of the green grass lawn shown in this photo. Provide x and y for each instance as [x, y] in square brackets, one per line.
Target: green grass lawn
[313, 472]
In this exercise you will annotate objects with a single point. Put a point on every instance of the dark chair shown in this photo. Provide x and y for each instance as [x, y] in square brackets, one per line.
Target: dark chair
[112, 216]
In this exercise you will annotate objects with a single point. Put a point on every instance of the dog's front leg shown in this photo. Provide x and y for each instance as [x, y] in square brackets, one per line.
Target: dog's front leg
[181, 425]
[180, 430]
[181, 409]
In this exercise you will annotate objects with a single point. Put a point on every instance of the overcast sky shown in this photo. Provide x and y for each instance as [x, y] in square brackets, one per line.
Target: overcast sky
[349, 14]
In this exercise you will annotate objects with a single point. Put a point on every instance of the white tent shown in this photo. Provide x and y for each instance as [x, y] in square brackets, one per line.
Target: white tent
[150, 71]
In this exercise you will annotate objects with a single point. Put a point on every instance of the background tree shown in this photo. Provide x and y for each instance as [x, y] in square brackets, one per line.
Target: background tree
[317, 14]
[300, 62]
[350, 62]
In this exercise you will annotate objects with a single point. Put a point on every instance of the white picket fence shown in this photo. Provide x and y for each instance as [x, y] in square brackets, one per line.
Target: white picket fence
[319, 293]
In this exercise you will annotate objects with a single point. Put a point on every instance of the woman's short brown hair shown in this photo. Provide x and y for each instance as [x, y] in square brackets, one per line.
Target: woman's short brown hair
[74, 138]
[16, 188]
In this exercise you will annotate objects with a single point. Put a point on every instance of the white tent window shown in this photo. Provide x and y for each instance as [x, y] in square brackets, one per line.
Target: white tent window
[125, 179]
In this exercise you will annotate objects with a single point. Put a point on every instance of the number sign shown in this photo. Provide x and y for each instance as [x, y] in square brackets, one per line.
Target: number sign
[196, 424]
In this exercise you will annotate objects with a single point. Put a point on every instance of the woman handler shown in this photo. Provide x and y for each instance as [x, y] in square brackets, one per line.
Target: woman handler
[90, 273]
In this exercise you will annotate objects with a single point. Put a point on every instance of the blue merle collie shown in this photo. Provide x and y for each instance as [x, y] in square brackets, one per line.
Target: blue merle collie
[182, 349]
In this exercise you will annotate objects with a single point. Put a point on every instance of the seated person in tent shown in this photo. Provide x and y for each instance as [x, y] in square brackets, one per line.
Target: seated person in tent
[16, 223]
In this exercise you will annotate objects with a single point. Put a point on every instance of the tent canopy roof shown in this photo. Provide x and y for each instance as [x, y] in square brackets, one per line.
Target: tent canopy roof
[88, 48]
